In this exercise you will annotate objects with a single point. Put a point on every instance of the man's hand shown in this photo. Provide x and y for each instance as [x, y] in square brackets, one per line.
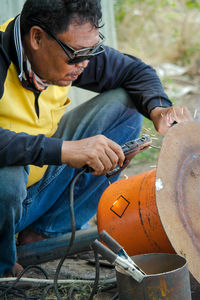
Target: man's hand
[98, 152]
[164, 117]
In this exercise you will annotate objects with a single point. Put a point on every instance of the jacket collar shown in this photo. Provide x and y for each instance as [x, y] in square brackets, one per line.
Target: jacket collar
[11, 44]
[18, 45]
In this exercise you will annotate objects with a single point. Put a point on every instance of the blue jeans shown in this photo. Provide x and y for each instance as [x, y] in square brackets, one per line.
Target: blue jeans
[44, 206]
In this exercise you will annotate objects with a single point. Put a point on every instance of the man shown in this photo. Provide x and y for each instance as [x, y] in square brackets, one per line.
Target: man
[50, 46]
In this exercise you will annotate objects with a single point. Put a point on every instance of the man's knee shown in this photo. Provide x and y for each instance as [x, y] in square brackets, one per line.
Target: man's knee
[116, 95]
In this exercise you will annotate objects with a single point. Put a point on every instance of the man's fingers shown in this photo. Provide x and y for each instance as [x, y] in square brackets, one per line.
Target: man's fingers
[119, 154]
[164, 118]
[108, 161]
[113, 158]
[179, 114]
[98, 152]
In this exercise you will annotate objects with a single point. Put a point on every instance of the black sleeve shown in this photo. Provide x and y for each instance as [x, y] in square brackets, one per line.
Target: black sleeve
[113, 69]
[21, 149]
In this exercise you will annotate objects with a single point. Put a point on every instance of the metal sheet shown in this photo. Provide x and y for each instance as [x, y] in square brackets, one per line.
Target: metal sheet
[178, 195]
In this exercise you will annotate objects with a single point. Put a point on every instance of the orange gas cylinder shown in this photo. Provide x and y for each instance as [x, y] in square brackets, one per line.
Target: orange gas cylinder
[127, 211]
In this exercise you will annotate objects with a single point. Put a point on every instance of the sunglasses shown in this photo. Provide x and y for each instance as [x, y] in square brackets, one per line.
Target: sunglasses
[78, 56]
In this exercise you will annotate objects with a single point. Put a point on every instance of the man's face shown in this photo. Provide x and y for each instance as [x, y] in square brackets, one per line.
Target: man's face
[49, 60]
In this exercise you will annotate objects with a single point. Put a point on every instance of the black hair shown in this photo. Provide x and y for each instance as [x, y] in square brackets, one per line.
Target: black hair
[57, 15]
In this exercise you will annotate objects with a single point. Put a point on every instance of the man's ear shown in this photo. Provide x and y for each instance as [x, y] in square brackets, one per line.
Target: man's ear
[36, 35]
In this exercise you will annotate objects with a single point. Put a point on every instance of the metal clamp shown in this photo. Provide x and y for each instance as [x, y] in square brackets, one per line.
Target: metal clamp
[117, 255]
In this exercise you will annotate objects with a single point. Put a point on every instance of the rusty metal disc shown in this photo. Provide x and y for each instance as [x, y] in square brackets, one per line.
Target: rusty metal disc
[178, 191]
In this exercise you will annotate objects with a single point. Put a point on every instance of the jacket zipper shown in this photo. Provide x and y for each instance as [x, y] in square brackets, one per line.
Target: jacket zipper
[37, 94]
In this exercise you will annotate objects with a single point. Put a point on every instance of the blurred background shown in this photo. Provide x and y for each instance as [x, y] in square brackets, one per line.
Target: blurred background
[159, 30]
[165, 34]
